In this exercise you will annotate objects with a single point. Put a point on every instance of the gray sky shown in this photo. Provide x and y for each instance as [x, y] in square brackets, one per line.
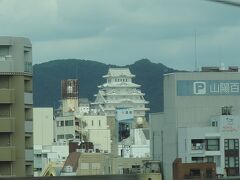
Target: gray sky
[123, 31]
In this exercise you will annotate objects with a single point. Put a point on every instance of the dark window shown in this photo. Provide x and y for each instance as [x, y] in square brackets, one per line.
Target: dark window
[195, 172]
[197, 144]
[69, 123]
[227, 110]
[212, 145]
[5, 110]
[68, 136]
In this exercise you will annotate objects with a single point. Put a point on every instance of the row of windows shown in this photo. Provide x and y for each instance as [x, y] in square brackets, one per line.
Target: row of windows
[213, 144]
[70, 123]
[130, 97]
[67, 123]
[66, 136]
[207, 159]
[119, 80]
[127, 112]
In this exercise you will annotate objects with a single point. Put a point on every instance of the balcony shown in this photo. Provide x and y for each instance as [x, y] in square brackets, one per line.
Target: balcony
[28, 126]
[7, 153]
[7, 96]
[7, 124]
[6, 64]
[28, 98]
[213, 153]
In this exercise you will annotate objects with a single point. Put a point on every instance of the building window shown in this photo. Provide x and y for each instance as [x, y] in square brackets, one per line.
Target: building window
[60, 136]
[197, 144]
[4, 82]
[212, 145]
[195, 172]
[231, 144]
[60, 123]
[99, 123]
[231, 161]
[92, 123]
[69, 123]
[68, 136]
[214, 123]
[5, 110]
[226, 110]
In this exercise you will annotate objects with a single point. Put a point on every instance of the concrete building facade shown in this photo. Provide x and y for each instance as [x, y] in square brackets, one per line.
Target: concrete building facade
[217, 143]
[43, 126]
[16, 125]
[190, 100]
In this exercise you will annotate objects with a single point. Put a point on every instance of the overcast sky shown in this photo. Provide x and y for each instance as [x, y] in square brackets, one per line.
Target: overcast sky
[124, 31]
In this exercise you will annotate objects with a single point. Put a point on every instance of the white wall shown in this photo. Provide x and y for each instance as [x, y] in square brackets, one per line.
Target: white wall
[43, 126]
[98, 131]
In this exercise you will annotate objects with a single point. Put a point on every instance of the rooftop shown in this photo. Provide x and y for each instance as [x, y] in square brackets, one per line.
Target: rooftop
[115, 72]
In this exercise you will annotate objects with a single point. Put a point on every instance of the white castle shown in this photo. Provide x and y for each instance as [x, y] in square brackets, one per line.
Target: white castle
[120, 92]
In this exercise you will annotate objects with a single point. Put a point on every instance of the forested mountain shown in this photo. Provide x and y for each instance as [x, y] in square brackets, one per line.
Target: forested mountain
[47, 80]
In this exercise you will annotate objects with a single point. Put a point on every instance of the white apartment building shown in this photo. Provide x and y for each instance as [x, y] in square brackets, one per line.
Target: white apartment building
[219, 143]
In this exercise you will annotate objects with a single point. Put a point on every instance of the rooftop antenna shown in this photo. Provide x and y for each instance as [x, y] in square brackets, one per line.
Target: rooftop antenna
[222, 65]
[195, 51]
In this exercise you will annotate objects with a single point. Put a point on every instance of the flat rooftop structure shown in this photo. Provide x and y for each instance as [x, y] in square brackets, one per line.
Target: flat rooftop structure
[220, 69]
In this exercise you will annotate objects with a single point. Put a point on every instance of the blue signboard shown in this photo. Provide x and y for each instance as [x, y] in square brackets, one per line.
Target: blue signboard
[208, 88]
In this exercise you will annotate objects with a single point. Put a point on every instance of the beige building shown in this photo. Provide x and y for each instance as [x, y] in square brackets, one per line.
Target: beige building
[43, 126]
[16, 132]
[191, 99]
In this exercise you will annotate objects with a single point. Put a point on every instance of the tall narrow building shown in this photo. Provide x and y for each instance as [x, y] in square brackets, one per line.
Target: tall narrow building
[16, 100]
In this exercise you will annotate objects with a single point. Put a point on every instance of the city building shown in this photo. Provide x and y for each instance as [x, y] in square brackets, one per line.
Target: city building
[191, 99]
[218, 143]
[16, 100]
[75, 121]
[132, 139]
[67, 126]
[119, 91]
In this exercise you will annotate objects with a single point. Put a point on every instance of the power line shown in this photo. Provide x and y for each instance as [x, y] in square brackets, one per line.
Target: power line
[232, 3]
